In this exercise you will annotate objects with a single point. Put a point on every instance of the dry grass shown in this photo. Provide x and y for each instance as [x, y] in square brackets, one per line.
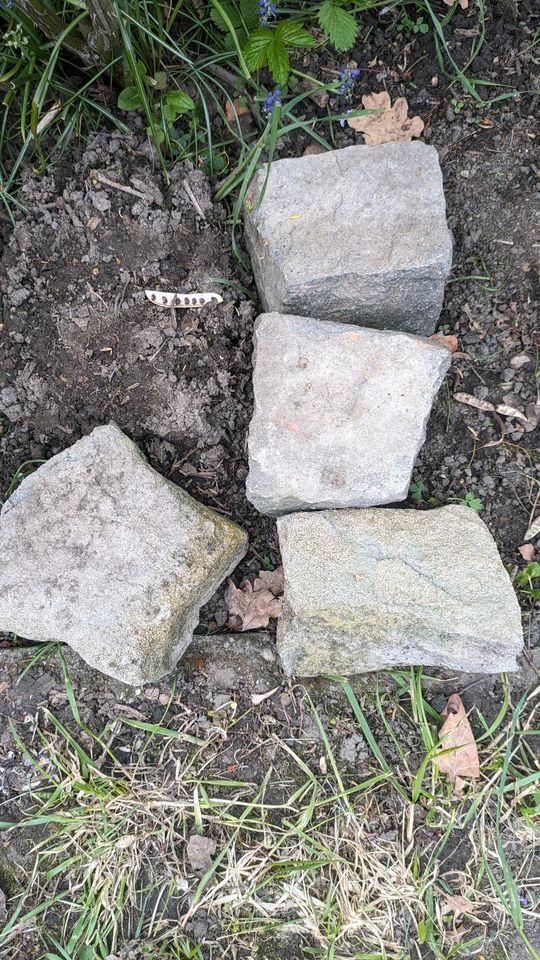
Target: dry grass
[357, 869]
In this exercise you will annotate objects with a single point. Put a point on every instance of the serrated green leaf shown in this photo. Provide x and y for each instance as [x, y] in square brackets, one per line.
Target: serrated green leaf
[232, 13]
[180, 101]
[339, 24]
[256, 49]
[249, 10]
[293, 34]
[278, 59]
[129, 99]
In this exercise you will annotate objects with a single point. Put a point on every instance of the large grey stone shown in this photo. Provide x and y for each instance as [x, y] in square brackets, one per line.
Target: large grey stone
[340, 413]
[100, 551]
[357, 235]
[371, 589]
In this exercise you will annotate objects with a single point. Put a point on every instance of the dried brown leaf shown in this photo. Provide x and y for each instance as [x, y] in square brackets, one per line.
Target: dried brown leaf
[272, 580]
[458, 757]
[458, 905]
[450, 341]
[501, 408]
[252, 605]
[533, 530]
[392, 124]
[235, 108]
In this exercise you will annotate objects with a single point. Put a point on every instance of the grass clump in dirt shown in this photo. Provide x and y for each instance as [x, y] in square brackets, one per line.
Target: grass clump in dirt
[185, 71]
[352, 866]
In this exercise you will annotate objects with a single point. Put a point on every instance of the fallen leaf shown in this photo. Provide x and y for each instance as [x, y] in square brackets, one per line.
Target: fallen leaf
[235, 108]
[501, 408]
[446, 340]
[519, 361]
[270, 580]
[252, 605]
[125, 842]
[463, 3]
[392, 124]
[457, 738]
[458, 905]
[257, 698]
[200, 851]
[533, 530]
[527, 552]
[48, 118]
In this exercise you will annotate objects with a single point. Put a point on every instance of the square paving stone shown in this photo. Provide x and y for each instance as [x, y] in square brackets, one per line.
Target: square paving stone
[340, 413]
[102, 552]
[357, 235]
[373, 589]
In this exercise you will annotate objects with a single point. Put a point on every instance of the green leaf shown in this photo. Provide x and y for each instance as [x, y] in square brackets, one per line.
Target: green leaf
[141, 70]
[232, 14]
[159, 82]
[180, 101]
[256, 49]
[249, 10]
[470, 500]
[339, 24]
[278, 60]
[129, 99]
[528, 572]
[293, 34]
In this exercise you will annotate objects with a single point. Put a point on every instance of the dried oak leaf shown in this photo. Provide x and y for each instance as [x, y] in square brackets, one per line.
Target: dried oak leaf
[459, 754]
[252, 605]
[448, 340]
[458, 905]
[392, 124]
[235, 108]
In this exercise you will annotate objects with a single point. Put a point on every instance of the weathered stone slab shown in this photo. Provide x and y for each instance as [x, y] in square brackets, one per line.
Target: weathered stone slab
[357, 235]
[372, 589]
[340, 413]
[100, 551]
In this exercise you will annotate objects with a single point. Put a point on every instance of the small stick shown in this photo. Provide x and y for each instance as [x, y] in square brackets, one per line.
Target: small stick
[101, 178]
[193, 199]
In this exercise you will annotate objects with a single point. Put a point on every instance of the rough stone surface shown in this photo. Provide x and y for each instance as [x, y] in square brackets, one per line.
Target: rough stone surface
[372, 589]
[357, 235]
[340, 413]
[100, 551]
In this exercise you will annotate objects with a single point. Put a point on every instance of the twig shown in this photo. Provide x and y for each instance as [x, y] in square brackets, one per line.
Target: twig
[193, 198]
[101, 178]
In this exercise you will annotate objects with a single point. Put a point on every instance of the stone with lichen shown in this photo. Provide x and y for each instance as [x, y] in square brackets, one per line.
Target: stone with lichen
[101, 552]
[374, 589]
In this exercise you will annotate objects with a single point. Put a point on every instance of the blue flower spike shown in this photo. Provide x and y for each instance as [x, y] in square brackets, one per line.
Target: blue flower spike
[347, 78]
[273, 99]
[267, 10]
